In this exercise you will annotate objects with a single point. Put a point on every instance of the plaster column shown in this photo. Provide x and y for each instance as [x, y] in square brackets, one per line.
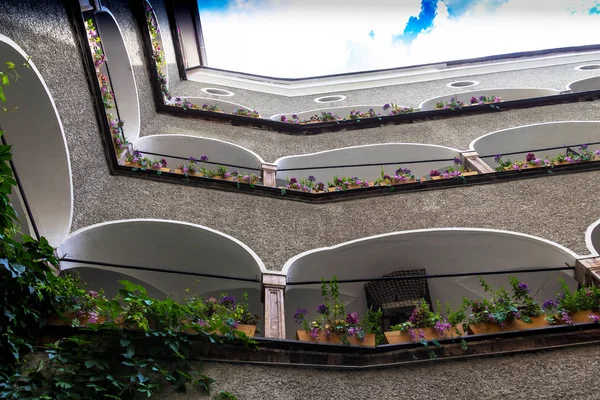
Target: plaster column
[587, 271]
[472, 161]
[273, 291]
[269, 171]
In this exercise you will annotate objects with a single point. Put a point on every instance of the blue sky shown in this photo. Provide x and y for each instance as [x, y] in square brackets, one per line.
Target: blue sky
[299, 38]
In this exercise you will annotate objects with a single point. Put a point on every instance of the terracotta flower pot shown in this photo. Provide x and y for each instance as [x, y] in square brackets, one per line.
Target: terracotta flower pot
[395, 337]
[470, 173]
[392, 183]
[136, 165]
[304, 336]
[485, 328]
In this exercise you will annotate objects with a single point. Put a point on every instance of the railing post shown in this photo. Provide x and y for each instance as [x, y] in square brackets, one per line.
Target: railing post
[587, 271]
[269, 172]
[472, 161]
[274, 318]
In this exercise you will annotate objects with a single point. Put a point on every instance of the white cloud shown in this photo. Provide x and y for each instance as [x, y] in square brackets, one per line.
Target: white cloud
[299, 38]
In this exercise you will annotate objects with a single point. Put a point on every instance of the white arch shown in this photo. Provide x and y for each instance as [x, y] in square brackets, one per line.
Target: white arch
[507, 94]
[121, 73]
[40, 151]
[143, 242]
[367, 154]
[543, 135]
[592, 238]
[584, 85]
[438, 251]
[189, 145]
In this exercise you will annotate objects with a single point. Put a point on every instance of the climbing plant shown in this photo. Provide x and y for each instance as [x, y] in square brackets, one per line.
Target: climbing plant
[94, 360]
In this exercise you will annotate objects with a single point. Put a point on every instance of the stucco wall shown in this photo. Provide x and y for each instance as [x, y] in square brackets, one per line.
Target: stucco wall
[559, 374]
[558, 208]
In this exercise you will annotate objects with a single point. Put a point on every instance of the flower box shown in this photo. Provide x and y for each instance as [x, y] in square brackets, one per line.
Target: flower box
[396, 337]
[332, 189]
[526, 166]
[135, 165]
[470, 173]
[304, 336]
[391, 183]
[314, 191]
[180, 172]
[219, 177]
[485, 328]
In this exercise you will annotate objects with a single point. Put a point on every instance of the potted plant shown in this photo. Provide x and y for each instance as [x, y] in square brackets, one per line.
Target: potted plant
[456, 172]
[324, 117]
[222, 316]
[333, 325]
[345, 183]
[481, 100]
[395, 109]
[530, 162]
[136, 160]
[246, 113]
[504, 312]
[452, 104]
[292, 120]
[211, 107]
[425, 325]
[401, 176]
[354, 114]
[308, 185]
[76, 305]
[191, 168]
[570, 307]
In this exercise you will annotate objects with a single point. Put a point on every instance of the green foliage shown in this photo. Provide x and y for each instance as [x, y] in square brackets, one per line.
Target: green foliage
[373, 324]
[102, 360]
[500, 308]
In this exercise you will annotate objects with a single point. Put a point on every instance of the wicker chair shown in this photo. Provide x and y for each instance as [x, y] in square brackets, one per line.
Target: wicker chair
[397, 298]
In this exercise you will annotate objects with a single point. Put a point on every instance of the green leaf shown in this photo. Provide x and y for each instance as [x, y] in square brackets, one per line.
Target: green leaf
[10, 65]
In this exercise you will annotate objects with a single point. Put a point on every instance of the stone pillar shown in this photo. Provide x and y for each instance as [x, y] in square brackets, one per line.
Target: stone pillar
[587, 271]
[273, 291]
[269, 171]
[472, 161]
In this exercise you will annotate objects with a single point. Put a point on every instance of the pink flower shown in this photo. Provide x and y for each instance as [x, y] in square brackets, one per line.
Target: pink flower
[593, 318]
[92, 318]
[314, 333]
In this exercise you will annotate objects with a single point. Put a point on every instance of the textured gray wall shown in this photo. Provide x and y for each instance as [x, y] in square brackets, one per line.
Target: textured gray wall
[558, 208]
[560, 374]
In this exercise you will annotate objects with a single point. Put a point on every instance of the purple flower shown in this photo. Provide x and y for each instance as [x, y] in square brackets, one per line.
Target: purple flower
[193, 160]
[201, 322]
[434, 172]
[293, 180]
[314, 333]
[593, 318]
[566, 318]
[299, 315]
[204, 159]
[312, 179]
[93, 294]
[327, 333]
[322, 309]
[386, 106]
[283, 118]
[352, 318]
[548, 305]
[498, 158]
[442, 327]
[569, 159]
[92, 318]
[228, 301]
[351, 331]
[457, 161]
[473, 100]
[530, 157]
[523, 287]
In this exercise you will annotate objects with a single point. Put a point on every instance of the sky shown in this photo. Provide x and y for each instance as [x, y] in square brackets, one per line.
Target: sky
[303, 38]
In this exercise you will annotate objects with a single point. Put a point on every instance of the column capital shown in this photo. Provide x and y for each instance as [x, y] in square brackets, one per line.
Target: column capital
[471, 160]
[587, 271]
